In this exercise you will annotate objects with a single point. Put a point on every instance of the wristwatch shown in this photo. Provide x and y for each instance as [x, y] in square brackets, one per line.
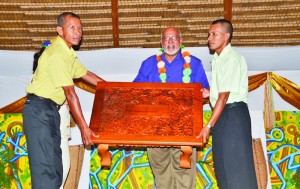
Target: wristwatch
[209, 126]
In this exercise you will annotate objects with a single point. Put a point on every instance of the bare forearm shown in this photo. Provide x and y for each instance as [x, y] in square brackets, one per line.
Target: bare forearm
[216, 113]
[219, 106]
[92, 78]
[76, 110]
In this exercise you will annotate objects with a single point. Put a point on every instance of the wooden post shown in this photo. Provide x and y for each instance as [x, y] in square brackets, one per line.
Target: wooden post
[115, 20]
[228, 9]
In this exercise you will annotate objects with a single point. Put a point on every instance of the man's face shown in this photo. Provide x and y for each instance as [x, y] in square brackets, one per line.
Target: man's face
[71, 32]
[217, 38]
[171, 41]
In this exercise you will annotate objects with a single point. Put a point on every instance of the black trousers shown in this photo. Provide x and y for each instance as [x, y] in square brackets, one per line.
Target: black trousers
[232, 148]
[41, 121]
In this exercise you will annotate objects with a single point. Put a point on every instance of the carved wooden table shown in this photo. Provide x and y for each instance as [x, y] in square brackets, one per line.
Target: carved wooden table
[147, 115]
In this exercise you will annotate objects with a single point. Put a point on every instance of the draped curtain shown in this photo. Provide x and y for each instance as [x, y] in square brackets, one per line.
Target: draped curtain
[286, 89]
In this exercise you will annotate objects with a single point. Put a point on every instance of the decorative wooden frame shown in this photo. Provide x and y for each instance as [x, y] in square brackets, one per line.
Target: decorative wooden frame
[147, 114]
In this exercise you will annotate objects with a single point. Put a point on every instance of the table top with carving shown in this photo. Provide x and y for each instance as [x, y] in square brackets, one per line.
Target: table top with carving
[147, 114]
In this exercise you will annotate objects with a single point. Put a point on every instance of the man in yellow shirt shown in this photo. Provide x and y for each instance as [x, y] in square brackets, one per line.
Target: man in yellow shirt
[51, 85]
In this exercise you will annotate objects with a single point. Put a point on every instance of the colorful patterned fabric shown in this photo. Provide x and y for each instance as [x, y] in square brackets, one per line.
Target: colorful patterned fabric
[130, 167]
[283, 148]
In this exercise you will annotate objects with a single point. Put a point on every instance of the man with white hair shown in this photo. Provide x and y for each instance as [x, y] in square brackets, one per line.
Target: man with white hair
[173, 64]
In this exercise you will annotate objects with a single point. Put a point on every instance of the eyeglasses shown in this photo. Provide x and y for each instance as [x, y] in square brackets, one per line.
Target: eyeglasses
[173, 38]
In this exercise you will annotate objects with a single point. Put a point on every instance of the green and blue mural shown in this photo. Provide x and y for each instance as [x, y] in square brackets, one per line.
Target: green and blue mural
[130, 167]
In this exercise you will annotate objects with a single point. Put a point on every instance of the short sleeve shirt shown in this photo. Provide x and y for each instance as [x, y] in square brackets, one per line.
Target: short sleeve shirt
[149, 72]
[57, 67]
[229, 74]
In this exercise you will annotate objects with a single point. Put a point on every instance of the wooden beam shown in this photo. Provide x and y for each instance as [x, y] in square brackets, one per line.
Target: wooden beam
[228, 9]
[115, 22]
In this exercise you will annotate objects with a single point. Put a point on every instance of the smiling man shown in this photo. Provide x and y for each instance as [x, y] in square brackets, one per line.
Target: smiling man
[173, 64]
[52, 84]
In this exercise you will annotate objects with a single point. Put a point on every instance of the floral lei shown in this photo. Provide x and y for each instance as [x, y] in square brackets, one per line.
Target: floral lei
[186, 66]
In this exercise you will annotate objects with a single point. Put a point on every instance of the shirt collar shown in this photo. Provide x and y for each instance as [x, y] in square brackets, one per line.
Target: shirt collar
[223, 53]
[64, 45]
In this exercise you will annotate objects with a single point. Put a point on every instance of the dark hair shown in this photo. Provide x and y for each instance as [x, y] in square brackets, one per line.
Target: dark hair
[227, 26]
[36, 57]
[62, 16]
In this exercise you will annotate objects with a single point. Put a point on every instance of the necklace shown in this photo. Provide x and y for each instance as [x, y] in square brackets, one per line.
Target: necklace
[186, 66]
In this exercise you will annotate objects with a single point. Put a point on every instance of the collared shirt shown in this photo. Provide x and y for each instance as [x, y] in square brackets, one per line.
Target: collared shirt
[57, 67]
[149, 71]
[229, 74]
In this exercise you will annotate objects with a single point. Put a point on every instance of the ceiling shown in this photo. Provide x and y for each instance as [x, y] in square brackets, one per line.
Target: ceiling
[24, 24]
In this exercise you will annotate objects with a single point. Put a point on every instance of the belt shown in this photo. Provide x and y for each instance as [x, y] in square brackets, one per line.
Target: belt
[48, 100]
[231, 105]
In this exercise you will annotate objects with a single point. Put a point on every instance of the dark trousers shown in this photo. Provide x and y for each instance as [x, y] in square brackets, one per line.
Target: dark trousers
[232, 148]
[41, 122]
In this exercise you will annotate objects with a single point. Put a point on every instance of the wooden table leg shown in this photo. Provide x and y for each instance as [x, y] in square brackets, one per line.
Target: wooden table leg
[105, 155]
[185, 159]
